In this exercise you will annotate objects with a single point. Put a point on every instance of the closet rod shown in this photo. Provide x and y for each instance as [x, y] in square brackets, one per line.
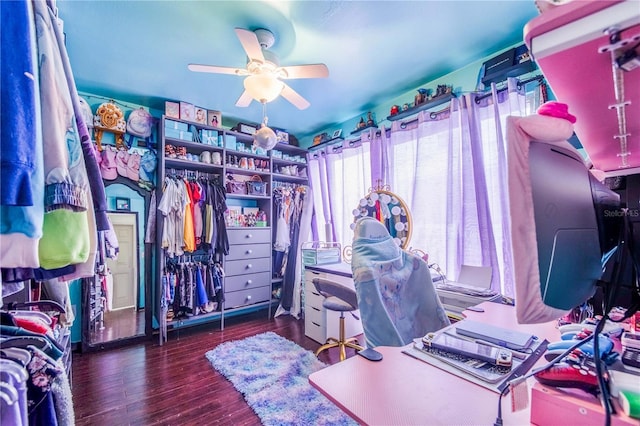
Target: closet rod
[520, 84]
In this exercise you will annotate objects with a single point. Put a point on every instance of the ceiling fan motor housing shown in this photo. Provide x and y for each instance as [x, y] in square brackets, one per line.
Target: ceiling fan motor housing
[265, 38]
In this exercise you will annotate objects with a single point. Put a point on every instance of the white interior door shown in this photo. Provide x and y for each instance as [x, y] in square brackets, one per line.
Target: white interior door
[124, 268]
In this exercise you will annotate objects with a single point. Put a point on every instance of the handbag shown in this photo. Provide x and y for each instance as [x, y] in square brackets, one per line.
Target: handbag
[255, 186]
[235, 186]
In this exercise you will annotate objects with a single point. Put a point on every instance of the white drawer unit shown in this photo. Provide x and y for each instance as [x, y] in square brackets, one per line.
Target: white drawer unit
[319, 323]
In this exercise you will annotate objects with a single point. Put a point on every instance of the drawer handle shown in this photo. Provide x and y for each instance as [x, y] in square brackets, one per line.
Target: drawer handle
[249, 251]
[315, 309]
[249, 297]
[249, 282]
[249, 266]
[316, 324]
[249, 236]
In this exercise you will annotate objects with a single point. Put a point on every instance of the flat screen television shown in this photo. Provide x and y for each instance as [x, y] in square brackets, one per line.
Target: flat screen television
[564, 225]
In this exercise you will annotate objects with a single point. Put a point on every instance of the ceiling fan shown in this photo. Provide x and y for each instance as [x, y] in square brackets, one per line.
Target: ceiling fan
[263, 72]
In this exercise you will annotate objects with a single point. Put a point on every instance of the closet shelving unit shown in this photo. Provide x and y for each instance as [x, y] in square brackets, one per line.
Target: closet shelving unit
[248, 282]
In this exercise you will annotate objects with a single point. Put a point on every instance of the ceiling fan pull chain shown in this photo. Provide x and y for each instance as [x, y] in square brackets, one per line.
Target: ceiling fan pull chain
[265, 119]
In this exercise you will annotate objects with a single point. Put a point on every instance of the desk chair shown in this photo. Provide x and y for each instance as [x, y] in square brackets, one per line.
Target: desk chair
[341, 299]
[396, 296]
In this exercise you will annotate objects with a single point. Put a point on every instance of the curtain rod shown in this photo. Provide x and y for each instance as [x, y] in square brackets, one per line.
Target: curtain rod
[520, 84]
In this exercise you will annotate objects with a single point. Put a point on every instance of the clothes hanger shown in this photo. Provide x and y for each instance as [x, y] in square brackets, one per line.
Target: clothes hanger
[16, 355]
[8, 393]
[43, 305]
[41, 343]
[33, 314]
[17, 376]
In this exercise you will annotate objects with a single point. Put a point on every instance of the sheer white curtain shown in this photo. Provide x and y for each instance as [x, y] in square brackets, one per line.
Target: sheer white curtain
[450, 169]
[340, 177]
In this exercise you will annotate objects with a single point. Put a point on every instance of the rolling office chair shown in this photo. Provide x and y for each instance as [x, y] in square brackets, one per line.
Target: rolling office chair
[341, 299]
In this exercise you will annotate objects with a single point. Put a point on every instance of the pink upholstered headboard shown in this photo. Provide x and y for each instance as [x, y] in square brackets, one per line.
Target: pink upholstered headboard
[565, 42]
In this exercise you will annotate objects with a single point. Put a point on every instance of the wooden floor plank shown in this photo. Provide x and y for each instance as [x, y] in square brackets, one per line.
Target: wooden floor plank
[173, 384]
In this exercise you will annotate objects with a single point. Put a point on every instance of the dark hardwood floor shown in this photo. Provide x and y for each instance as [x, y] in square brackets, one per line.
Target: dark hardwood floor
[173, 384]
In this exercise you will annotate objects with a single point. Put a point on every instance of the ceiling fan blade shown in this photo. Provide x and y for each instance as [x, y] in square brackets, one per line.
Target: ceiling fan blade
[306, 71]
[294, 97]
[216, 69]
[244, 100]
[250, 44]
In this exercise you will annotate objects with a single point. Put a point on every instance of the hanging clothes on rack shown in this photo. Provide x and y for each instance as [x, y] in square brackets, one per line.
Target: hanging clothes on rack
[35, 362]
[301, 206]
[192, 287]
[193, 213]
[53, 206]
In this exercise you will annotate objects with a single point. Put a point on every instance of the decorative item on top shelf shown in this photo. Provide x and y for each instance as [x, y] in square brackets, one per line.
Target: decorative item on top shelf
[214, 118]
[200, 116]
[172, 109]
[282, 136]
[187, 111]
[362, 124]
[444, 93]
[421, 97]
[320, 138]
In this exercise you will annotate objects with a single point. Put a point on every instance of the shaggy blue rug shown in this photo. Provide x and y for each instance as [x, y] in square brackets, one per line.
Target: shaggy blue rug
[272, 374]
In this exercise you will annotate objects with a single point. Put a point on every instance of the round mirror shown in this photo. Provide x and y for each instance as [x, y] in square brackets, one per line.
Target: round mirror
[388, 208]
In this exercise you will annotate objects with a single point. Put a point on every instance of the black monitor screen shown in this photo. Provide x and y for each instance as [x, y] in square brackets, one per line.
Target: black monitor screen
[561, 226]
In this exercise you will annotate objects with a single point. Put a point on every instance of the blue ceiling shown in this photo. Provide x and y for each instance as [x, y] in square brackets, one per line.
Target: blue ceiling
[138, 51]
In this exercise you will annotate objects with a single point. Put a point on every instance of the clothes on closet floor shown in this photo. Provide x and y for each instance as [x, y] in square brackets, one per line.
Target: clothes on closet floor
[51, 206]
[34, 381]
[192, 288]
[193, 212]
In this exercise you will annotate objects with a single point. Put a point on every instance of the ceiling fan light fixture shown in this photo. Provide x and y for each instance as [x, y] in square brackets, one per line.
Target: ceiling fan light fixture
[263, 87]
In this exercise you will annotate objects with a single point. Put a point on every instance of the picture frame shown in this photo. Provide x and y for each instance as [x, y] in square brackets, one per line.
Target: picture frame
[282, 136]
[187, 111]
[200, 115]
[172, 109]
[336, 134]
[214, 118]
[123, 204]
